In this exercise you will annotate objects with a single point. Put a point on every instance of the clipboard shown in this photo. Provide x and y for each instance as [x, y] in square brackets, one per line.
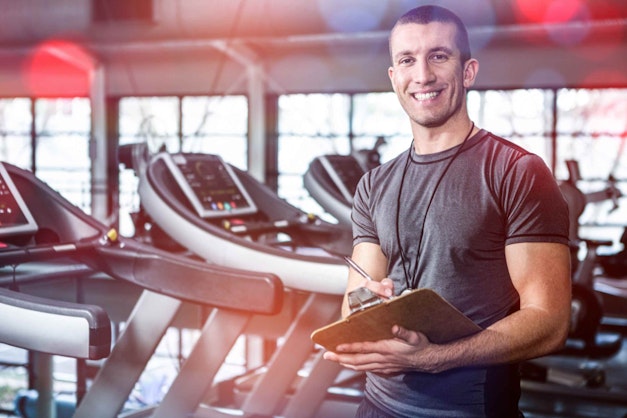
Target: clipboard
[421, 310]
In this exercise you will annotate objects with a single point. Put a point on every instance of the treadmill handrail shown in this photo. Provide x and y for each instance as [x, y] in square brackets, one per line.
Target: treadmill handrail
[188, 279]
[18, 255]
[155, 270]
[165, 273]
[53, 326]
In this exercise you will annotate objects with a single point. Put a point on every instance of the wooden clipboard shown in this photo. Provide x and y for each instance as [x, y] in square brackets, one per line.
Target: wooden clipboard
[420, 310]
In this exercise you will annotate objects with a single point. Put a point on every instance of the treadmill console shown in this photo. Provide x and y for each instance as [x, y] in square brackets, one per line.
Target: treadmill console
[15, 218]
[210, 184]
[345, 173]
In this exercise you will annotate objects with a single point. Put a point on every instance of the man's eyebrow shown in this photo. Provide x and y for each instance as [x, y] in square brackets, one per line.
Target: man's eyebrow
[408, 52]
[444, 49]
[403, 53]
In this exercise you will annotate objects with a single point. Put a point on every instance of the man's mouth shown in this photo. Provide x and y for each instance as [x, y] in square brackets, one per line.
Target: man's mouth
[425, 96]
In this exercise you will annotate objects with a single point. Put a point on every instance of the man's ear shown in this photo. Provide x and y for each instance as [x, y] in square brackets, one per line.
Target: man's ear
[391, 75]
[471, 68]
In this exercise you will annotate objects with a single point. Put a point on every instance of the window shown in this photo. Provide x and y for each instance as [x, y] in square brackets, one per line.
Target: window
[15, 126]
[591, 130]
[217, 125]
[525, 117]
[309, 125]
[589, 123]
[150, 120]
[380, 115]
[62, 159]
[61, 149]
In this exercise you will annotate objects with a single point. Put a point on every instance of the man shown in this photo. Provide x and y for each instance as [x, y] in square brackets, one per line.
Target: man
[470, 215]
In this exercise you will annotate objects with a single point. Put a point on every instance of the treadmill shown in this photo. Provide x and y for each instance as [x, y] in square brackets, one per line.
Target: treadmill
[51, 238]
[225, 216]
[332, 181]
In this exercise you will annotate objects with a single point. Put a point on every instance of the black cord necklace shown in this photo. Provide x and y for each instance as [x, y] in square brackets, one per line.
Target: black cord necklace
[413, 283]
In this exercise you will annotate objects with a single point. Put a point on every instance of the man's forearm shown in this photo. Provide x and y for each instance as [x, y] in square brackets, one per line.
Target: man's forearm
[525, 334]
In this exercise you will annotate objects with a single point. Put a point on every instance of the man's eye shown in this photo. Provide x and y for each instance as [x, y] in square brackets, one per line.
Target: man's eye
[406, 60]
[439, 57]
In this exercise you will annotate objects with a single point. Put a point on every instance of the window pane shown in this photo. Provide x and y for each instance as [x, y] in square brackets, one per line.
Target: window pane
[525, 117]
[209, 115]
[15, 138]
[62, 153]
[155, 122]
[217, 125]
[314, 114]
[150, 120]
[63, 116]
[309, 126]
[379, 115]
[591, 126]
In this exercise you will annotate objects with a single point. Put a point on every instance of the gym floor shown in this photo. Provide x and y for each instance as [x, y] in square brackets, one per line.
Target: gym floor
[550, 400]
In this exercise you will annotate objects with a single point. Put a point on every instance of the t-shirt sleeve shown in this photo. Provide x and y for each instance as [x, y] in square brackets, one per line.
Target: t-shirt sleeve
[364, 229]
[535, 209]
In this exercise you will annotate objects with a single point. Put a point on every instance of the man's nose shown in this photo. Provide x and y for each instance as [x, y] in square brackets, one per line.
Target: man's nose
[422, 73]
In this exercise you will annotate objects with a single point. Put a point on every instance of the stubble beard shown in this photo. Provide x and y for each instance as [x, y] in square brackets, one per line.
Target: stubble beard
[432, 120]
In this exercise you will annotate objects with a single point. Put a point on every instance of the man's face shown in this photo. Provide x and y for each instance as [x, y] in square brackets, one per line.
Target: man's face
[427, 73]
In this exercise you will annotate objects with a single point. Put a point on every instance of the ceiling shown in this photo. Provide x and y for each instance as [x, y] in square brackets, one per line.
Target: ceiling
[26, 23]
[302, 45]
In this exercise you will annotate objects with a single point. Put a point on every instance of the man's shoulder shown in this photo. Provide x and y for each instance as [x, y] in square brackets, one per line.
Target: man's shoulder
[506, 151]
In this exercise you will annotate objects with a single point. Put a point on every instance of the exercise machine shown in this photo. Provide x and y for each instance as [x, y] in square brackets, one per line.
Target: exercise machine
[48, 328]
[332, 180]
[54, 327]
[589, 293]
[57, 230]
[226, 217]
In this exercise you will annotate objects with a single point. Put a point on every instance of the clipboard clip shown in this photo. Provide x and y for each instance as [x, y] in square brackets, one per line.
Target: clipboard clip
[362, 298]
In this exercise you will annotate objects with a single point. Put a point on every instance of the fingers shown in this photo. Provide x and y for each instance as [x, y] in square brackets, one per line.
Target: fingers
[384, 288]
[388, 287]
[405, 351]
[366, 362]
[409, 337]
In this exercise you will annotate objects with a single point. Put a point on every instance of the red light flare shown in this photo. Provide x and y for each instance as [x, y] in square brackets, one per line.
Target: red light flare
[543, 11]
[58, 68]
[587, 28]
[604, 78]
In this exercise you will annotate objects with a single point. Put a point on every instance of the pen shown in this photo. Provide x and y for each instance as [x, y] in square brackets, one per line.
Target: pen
[356, 267]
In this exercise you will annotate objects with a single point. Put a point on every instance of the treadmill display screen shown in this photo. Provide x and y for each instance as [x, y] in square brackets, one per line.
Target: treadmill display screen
[15, 218]
[210, 184]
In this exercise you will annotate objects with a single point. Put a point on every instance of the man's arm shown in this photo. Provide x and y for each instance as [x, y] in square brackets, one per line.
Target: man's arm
[540, 273]
[370, 258]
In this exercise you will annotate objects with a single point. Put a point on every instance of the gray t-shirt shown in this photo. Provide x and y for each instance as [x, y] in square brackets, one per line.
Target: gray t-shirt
[473, 202]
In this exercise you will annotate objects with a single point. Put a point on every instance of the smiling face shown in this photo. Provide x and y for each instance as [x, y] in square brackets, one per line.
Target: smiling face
[427, 73]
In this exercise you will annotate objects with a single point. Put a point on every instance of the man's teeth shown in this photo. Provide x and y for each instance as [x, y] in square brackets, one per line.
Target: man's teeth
[425, 96]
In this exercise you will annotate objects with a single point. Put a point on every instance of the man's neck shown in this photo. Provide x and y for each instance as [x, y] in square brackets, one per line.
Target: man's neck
[432, 140]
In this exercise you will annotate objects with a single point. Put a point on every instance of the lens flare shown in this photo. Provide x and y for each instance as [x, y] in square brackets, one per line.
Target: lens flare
[543, 11]
[58, 68]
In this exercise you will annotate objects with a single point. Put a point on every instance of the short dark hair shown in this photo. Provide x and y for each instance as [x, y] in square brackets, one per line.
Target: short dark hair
[427, 14]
